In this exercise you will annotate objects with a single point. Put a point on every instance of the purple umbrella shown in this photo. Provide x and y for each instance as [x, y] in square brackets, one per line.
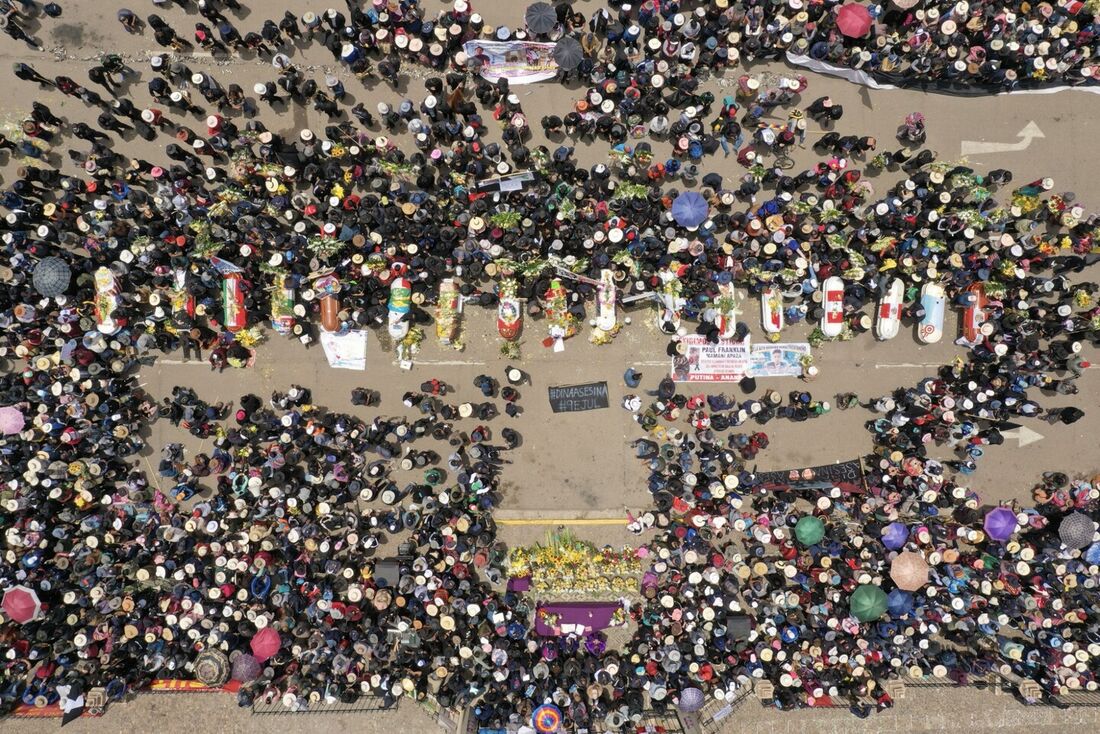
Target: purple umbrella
[690, 209]
[894, 535]
[246, 668]
[1000, 523]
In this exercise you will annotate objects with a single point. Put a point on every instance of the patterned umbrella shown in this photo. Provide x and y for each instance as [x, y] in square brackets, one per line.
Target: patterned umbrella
[546, 719]
[1076, 530]
[246, 668]
[12, 420]
[51, 276]
[21, 604]
[212, 668]
[691, 700]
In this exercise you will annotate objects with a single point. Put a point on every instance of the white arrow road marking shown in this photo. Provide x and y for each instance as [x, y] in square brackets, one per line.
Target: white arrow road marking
[1023, 434]
[978, 147]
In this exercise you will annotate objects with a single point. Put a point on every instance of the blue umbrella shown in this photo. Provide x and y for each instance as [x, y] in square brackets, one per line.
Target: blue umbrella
[1092, 555]
[690, 209]
[894, 535]
[899, 603]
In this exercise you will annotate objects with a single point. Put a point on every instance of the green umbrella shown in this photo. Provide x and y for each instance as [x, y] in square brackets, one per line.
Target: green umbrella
[868, 602]
[809, 530]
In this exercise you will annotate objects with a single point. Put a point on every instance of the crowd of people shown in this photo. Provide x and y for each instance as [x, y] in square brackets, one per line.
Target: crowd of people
[262, 560]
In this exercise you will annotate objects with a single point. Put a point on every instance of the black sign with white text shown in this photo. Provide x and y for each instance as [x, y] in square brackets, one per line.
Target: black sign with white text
[574, 398]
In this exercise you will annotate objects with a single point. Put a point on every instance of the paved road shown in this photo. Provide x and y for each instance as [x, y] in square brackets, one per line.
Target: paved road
[580, 462]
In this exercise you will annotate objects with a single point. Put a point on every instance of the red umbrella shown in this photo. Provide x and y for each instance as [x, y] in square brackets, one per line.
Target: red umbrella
[21, 604]
[853, 20]
[265, 644]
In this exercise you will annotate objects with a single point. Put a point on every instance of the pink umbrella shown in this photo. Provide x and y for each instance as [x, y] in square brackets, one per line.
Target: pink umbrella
[909, 571]
[21, 604]
[853, 20]
[11, 420]
[265, 644]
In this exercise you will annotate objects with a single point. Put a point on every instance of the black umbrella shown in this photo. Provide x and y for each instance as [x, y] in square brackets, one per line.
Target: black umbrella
[540, 18]
[568, 53]
[1076, 530]
[51, 276]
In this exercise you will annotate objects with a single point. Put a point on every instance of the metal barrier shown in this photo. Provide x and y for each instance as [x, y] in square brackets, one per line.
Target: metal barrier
[716, 714]
[364, 705]
[651, 721]
[1079, 698]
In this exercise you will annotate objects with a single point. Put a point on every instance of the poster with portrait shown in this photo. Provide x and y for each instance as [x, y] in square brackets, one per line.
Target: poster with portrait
[778, 360]
[726, 361]
[520, 62]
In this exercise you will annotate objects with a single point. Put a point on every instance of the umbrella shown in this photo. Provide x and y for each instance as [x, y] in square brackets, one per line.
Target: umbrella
[894, 535]
[909, 571]
[904, 4]
[540, 18]
[1092, 555]
[899, 603]
[212, 668]
[568, 53]
[867, 602]
[1076, 530]
[546, 719]
[691, 700]
[1000, 523]
[853, 20]
[246, 668]
[12, 420]
[21, 604]
[265, 644]
[690, 209]
[809, 530]
[51, 276]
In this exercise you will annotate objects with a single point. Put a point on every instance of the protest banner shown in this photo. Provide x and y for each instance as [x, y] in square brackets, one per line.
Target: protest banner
[726, 361]
[574, 398]
[777, 360]
[520, 62]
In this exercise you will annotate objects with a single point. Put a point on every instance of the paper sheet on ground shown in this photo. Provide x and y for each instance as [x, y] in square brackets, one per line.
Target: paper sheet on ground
[346, 351]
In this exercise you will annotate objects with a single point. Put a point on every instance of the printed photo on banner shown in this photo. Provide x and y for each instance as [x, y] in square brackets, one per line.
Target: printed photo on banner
[520, 62]
[778, 360]
[726, 361]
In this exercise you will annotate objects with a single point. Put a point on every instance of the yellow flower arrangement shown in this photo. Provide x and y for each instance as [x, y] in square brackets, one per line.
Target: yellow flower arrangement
[338, 191]
[566, 565]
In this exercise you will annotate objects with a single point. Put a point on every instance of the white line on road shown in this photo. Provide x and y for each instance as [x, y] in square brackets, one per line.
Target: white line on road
[446, 363]
[909, 365]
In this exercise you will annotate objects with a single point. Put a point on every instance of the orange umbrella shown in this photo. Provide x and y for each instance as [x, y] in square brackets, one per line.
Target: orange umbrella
[909, 571]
